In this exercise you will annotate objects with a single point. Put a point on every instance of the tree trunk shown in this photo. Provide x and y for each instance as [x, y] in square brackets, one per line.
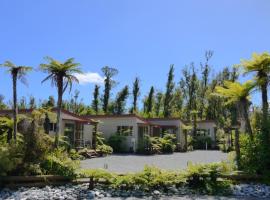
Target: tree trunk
[246, 117]
[237, 147]
[15, 107]
[265, 130]
[59, 107]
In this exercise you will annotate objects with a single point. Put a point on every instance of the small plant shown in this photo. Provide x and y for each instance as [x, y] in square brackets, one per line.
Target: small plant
[75, 155]
[104, 149]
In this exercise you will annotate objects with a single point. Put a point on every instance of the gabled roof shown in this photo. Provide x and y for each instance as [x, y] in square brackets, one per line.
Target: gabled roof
[73, 116]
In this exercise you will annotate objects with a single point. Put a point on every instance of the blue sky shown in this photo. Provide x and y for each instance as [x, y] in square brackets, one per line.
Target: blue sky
[138, 37]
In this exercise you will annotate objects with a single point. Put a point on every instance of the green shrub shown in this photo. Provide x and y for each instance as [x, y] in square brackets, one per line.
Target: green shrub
[117, 142]
[189, 143]
[59, 163]
[104, 149]
[204, 178]
[11, 156]
[199, 142]
[157, 145]
[98, 174]
[75, 155]
[168, 143]
[251, 154]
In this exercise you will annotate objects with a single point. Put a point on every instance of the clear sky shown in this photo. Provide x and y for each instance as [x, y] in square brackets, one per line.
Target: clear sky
[138, 37]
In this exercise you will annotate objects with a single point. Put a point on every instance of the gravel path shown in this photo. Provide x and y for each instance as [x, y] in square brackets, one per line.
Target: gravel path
[123, 163]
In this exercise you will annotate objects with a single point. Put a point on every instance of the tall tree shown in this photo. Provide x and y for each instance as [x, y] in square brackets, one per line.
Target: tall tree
[150, 101]
[32, 102]
[120, 102]
[169, 93]
[62, 75]
[95, 102]
[177, 102]
[260, 64]
[189, 86]
[136, 94]
[158, 103]
[204, 83]
[109, 73]
[17, 73]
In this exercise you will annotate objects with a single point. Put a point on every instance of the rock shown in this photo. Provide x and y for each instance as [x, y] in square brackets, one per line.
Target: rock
[156, 193]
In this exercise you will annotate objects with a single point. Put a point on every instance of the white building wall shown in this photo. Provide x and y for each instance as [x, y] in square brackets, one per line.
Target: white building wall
[208, 126]
[108, 126]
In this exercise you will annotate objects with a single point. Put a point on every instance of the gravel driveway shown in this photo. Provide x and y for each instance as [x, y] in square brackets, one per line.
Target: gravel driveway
[123, 163]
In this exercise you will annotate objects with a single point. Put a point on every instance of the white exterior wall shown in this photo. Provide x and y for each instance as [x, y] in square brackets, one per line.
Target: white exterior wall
[108, 126]
[208, 126]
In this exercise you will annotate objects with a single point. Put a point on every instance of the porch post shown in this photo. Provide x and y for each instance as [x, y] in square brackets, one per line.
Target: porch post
[94, 138]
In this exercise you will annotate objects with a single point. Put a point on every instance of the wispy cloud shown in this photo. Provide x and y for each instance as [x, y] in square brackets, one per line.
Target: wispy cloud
[89, 77]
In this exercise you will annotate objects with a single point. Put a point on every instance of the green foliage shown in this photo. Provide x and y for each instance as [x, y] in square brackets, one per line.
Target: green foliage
[189, 143]
[169, 93]
[104, 149]
[120, 102]
[199, 142]
[205, 178]
[168, 143]
[108, 73]
[75, 155]
[117, 142]
[197, 177]
[97, 174]
[136, 94]
[59, 163]
[11, 156]
[251, 158]
[157, 145]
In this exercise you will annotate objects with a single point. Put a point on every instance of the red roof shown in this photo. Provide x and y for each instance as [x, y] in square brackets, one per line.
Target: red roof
[23, 111]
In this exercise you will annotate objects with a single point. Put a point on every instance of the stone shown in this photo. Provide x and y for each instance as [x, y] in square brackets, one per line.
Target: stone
[156, 193]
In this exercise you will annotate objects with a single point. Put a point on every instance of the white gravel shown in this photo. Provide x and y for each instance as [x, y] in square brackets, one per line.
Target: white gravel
[73, 192]
[123, 163]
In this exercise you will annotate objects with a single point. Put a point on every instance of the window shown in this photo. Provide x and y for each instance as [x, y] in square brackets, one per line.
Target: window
[203, 132]
[125, 130]
[53, 127]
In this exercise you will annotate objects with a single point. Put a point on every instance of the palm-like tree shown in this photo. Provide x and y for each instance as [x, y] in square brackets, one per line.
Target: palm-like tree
[17, 73]
[260, 64]
[62, 75]
[238, 95]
